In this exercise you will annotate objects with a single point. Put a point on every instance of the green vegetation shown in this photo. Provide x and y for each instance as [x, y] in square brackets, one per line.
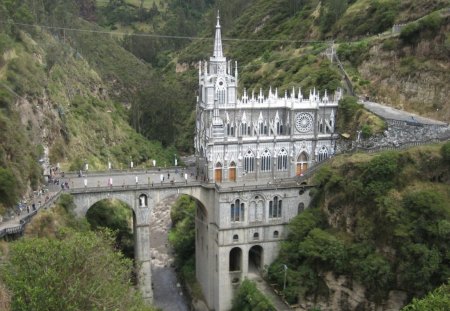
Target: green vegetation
[427, 26]
[248, 298]
[182, 239]
[116, 216]
[75, 271]
[353, 117]
[61, 265]
[437, 300]
[402, 191]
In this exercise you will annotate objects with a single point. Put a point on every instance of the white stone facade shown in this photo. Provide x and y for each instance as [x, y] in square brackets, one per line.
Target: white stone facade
[251, 140]
[258, 136]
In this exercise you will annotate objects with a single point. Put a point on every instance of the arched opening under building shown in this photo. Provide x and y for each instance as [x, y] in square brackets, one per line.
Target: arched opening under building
[235, 263]
[117, 216]
[232, 171]
[302, 164]
[255, 259]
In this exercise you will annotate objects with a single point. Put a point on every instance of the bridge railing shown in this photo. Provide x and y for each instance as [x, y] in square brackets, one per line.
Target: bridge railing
[19, 229]
[143, 186]
[126, 171]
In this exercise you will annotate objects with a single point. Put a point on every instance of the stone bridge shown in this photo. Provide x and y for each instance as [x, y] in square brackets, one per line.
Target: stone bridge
[238, 226]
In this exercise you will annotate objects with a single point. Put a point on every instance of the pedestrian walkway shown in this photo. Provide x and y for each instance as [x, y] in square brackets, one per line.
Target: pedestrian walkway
[268, 292]
[387, 112]
[16, 225]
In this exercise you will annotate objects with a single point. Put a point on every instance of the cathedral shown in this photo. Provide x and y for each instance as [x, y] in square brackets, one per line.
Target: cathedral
[258, 136]
[251, 140]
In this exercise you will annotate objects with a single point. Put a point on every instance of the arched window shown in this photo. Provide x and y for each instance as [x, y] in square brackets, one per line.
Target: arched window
[279, 127]
[275, 208]
[265, 161]
[232, 171]
[256, 236]
[323, 153]
[276, 234]
[237, 210]
[142, 200]
[256, 211]
[220, 91]
[243, 128]
[261, 128]
[218, 172]
[249, 162]
[235, 238]
[302, 164]
[301, 207]
[282, 160]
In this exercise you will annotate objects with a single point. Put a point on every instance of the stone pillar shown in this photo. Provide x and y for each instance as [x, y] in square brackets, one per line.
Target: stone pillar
[142, 251]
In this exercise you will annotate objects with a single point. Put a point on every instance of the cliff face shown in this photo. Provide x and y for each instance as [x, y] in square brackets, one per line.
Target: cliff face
[347, 295]
[413, 77]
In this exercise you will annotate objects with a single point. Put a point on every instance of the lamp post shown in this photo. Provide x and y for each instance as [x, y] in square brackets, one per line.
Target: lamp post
[285, 273]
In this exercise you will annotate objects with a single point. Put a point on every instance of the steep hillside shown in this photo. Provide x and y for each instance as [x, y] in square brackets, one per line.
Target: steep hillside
[283, 43]
[68, 92]
[378, 234]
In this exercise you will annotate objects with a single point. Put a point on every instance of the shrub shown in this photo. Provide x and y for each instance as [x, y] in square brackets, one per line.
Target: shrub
[425, 27]
[445, 152]
[437, 300]
[249, 298]
[77, 271]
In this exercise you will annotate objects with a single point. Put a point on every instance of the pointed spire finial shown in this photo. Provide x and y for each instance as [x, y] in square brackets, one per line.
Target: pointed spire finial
[218, 53]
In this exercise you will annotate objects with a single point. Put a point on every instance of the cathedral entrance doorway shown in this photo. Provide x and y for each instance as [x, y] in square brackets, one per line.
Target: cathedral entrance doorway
[232, 172]
[218, 172]
[302, 164]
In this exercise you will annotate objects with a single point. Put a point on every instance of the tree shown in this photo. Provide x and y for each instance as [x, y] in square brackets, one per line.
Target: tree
[75, 271]
[8, 190]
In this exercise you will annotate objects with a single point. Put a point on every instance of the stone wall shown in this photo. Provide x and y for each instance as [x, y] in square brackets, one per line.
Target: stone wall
[398, 135]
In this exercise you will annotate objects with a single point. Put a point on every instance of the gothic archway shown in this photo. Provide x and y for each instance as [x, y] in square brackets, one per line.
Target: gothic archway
[232, 171]
[218, 172]
[302, 164]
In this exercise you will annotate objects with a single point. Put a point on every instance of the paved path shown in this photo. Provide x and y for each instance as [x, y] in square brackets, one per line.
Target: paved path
[267, 291]
[392, 113]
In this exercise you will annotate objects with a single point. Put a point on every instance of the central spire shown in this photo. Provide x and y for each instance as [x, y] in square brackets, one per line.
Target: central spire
[218, 53]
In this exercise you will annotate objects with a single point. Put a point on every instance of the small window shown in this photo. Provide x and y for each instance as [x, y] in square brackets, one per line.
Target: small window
[235, 238]
[301, 207]
[276, 234]
[256, 236]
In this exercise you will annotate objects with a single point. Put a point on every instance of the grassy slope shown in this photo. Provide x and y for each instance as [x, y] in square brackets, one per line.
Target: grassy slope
[386, 73]
[70, 92]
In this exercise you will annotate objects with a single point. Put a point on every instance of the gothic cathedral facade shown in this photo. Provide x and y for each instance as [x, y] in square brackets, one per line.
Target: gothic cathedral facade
[261, 136]
[249, 141]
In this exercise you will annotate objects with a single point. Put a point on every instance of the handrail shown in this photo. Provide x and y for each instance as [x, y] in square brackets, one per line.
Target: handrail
[25, 220]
